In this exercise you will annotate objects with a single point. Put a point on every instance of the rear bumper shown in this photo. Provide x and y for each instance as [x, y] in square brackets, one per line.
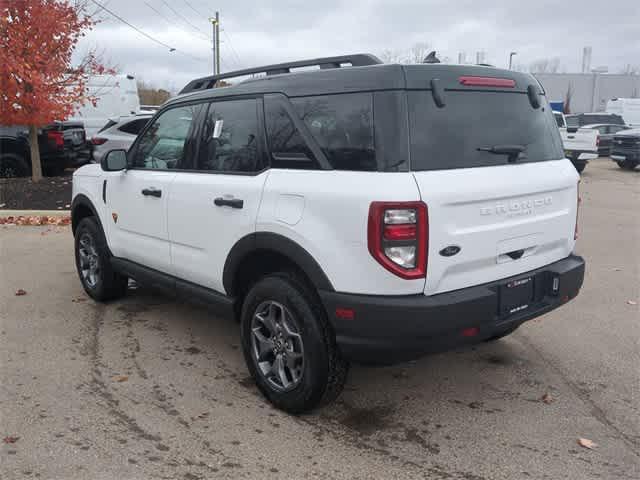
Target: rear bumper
[391, 329]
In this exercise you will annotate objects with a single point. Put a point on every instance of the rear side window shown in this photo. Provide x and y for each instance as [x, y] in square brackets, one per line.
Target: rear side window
[342, 125]
[134, 127]
[288, 148]
[471, 122]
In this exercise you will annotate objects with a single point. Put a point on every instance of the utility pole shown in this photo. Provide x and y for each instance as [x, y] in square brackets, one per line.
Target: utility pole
[216, 42]
[217, 39]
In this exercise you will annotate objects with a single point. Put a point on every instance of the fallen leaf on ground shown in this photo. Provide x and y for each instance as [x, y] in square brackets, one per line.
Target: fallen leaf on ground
[547, 398]
[586, 443]
[20, 292]
[78, 300]
[120, 378]
[632, 302]
[10, 439]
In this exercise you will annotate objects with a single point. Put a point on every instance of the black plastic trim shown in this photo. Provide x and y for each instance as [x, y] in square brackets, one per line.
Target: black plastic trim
[219, 302]
[388, 329]
[275, 243]
[83, 200]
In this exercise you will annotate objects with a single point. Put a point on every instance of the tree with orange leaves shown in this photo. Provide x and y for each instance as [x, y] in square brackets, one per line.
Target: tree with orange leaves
[38, 83]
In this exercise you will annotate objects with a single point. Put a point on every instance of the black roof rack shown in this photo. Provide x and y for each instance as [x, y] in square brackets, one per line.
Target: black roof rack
[356, 60]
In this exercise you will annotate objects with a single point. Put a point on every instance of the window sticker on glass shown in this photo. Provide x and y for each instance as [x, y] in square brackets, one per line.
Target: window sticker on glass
[217, 129]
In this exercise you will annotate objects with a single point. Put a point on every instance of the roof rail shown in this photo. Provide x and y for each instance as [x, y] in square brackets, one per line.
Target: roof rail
[356, 60]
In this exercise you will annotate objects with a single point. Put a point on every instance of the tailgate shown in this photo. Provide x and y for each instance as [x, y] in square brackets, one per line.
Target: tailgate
[506, 220]
[487, 157]
[583, 140]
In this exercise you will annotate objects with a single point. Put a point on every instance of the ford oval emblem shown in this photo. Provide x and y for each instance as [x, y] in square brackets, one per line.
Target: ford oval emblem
[450, 251]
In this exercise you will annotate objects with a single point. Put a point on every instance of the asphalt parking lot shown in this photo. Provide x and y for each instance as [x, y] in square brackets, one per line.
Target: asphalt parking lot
[151, 387]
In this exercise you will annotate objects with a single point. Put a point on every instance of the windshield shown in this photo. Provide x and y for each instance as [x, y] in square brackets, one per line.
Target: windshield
[474, 127]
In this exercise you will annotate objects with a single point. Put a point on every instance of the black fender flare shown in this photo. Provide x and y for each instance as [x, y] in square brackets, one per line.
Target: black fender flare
[82, 200]
[278, 244]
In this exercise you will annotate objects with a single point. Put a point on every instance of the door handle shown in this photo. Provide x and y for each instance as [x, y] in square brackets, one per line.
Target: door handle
[229, 202]
[151, 192]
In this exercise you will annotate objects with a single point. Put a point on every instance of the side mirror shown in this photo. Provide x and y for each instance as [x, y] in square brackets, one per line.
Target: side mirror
[114, 161]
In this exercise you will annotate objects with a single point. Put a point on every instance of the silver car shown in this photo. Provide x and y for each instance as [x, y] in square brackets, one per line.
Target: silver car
[117, 134]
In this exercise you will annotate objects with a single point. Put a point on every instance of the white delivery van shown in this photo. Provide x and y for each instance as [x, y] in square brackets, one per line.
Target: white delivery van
[627, 108]
[117, 97]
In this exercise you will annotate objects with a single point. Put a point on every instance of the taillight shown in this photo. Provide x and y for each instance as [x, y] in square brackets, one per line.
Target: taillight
[472, 81]
[98, 140]
[579, 201]
[398, 237]
[56, 137]
[598, 141]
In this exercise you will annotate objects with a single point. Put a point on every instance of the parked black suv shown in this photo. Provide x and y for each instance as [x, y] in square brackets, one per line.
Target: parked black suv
[625, 149]
[62, 145]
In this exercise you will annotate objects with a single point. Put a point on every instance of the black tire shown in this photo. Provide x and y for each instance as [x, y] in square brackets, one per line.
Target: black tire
[626, 164]
[12, 165]
[324, 371]
[108, 284]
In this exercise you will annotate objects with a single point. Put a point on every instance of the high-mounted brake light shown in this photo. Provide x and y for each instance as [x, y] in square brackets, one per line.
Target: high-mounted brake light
[487, 82]
[398, 237]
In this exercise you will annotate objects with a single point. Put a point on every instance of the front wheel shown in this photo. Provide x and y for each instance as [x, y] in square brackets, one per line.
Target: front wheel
[94, 264]
[12, 165]
[288, 345]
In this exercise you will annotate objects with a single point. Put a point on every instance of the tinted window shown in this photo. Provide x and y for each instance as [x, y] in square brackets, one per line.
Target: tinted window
[231, 141]
[288, 148]
[450, 137]
[342, 125]
[134, 127]
[164, 144]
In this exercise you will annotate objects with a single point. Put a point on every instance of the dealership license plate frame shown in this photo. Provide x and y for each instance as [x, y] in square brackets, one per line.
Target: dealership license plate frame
[516, 296]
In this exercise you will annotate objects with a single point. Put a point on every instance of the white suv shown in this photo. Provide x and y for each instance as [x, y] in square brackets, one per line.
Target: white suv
[357, 212]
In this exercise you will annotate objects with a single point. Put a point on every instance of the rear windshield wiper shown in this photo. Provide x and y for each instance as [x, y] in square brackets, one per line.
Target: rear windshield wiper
[513, 151]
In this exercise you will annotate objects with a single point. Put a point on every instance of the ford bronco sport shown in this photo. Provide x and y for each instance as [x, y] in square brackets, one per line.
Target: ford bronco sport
[357, 212]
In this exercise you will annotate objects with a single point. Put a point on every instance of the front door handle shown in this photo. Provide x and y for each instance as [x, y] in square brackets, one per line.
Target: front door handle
[151, 192]
[229, 202]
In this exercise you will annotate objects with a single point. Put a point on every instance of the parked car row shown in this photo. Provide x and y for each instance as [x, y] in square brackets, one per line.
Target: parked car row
[62, 145]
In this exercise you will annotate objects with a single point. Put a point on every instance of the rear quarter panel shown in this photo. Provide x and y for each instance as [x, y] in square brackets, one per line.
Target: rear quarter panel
[326, 213]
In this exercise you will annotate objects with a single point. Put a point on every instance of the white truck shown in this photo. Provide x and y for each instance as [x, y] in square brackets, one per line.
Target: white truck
[627, 108]
[580, 144]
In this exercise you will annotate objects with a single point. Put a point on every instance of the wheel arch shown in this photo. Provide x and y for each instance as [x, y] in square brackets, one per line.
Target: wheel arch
[267, 247]
[82, 207]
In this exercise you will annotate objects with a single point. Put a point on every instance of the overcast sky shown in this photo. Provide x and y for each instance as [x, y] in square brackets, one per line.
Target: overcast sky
[262, 32]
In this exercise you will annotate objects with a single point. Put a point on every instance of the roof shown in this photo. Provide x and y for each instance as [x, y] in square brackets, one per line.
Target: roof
[333, 77]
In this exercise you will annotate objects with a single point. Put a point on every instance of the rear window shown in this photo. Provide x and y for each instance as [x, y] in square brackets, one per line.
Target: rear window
[109, 124]
[134, 127]
[450, 137]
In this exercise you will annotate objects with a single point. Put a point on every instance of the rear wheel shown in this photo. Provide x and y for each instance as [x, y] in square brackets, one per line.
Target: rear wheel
[12, 166]
[627, 164]
[94, 265]
[288, 345]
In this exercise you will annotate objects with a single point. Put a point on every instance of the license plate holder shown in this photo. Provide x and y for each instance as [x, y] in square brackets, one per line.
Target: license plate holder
[516, 295]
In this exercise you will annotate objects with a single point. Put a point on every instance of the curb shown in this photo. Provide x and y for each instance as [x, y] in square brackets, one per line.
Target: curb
[35, 213]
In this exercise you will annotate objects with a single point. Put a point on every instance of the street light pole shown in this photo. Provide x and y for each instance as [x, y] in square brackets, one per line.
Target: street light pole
[511, 58]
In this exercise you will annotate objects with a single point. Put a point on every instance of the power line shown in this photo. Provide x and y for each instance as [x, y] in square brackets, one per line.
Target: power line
[191, 7]
[184, 19]
[155, 40]
[239, 62]
[161, 15]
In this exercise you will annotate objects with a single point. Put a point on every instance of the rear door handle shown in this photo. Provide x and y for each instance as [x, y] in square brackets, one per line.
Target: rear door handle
[229, 202]
[151, 192]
